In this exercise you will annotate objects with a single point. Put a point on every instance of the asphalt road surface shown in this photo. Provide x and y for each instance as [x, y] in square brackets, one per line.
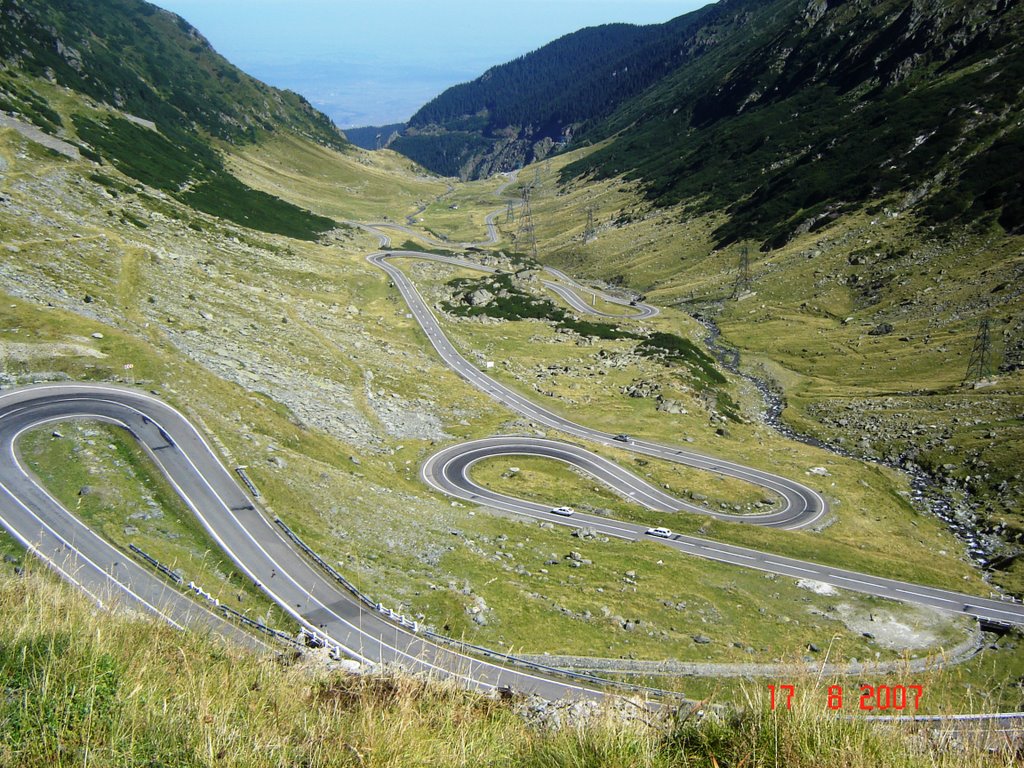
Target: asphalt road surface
[230, 517]
[310, 596]
[801, 505]
[448, 472]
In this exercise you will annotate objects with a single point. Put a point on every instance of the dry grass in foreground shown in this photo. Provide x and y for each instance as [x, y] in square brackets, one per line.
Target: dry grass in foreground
[85, 687]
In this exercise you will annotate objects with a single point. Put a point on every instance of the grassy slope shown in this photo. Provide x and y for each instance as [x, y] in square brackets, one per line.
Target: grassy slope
[110, 691]
[276, 309]
[807, 327]
[363, 186]
[364, 526]
[636, 242]
[128, 502]
[873, 527]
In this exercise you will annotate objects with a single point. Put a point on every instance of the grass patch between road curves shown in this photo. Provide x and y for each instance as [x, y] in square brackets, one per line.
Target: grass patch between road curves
[101, 474]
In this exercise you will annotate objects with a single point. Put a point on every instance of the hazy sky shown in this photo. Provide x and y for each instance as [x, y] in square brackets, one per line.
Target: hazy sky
[373, 63]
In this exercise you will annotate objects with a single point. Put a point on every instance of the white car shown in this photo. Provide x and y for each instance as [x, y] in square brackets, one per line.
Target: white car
[663, 533]
[563, 511]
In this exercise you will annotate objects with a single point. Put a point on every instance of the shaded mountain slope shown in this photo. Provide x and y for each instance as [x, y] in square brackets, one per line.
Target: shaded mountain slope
[516, 112]
[918, 105]
[139, 88]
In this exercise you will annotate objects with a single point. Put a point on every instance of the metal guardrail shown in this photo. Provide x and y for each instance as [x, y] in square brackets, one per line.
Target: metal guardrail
[240, 471]
[943, 718]
[348, 585]
[227, 611]
[257, 625]
[157, 564]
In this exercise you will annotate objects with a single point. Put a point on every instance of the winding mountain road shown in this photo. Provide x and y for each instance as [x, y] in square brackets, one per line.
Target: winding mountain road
[309, 595]
[448, 471]
[254, 543]
[801, 505]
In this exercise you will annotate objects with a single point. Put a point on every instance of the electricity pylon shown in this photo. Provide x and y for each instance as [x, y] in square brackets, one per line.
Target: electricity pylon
[744, 282]
[525, 235]
[979, 366]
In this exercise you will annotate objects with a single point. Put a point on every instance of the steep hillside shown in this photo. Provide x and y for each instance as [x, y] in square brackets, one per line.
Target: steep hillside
[209, 269]
[784, 114]
[517, 112]
[915, 105]
[868, 158]
[151, 63]
[869, 327]
[126, 83]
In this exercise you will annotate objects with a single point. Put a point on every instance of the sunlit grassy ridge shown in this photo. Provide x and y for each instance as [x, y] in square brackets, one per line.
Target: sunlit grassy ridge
[365, 186]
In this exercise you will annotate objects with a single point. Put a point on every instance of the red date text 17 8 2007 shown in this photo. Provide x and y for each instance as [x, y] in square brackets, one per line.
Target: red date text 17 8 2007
[873, 698]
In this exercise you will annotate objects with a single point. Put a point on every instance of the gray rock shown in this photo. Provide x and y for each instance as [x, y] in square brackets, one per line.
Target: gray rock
[480, 297]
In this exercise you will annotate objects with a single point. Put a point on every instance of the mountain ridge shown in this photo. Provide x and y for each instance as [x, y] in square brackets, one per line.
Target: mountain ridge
[782, 114]
[516, 112]
[862, 102]
[153, 99]
[152, 63]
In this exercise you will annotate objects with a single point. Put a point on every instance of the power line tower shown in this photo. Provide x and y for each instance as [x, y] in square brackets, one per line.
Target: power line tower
[380, 140]
[536, 176]
[744, 282]
[589, 233]
[979, 367]
[525, 235]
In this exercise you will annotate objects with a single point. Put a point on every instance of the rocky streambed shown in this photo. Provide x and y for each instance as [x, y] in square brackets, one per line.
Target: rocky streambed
[928, 494]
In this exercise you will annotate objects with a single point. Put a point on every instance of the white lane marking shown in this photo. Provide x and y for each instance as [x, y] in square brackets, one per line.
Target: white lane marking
[929, 597]
[729, 554]
[79, 554]
[872, 584]
[793, 567]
